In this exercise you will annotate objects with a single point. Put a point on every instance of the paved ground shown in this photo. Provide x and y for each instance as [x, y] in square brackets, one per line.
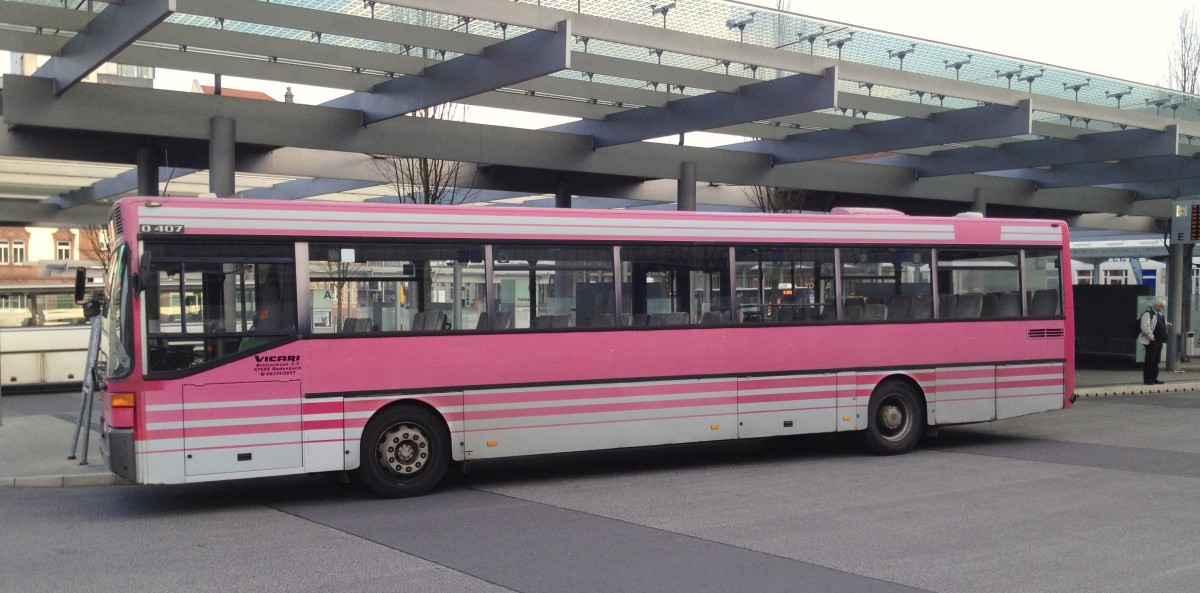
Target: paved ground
[36, 428]
[1101, 498]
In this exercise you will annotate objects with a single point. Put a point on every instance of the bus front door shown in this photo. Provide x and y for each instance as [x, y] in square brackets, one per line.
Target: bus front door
[240, 427]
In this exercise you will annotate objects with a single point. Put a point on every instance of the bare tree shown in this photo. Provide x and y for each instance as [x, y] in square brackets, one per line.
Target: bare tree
[419, 180]
[338, 276]
[776, 199]
[96, 244]
[1183, 65]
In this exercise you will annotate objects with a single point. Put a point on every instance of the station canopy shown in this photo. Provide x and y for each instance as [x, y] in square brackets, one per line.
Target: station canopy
[627, 95]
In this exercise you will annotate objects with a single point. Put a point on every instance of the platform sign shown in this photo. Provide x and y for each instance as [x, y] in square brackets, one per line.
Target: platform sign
[1185, 224]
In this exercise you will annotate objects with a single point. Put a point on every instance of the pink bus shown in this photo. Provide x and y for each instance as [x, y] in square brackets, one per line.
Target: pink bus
[258, 338]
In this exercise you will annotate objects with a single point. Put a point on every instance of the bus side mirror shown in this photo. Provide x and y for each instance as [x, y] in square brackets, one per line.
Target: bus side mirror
[143, 273]
[80, 284]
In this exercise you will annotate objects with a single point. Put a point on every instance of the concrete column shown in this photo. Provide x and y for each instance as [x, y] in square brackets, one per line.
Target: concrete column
[221, 142]
[686, 199]
[562, 194]
[147, 171]
[1177, 277]
[980, 205]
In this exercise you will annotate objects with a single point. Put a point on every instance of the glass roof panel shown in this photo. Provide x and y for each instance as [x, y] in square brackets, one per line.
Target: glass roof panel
[766, 27]
[733, 21]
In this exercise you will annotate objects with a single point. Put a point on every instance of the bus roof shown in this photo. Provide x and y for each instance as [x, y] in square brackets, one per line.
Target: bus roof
[310, 219]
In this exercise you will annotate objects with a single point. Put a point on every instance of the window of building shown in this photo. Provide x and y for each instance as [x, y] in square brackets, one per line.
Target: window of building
[3, 252]
[63, 250]
[18, 252]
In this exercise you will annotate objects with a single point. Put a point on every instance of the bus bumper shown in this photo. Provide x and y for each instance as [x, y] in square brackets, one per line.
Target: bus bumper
[117, 447]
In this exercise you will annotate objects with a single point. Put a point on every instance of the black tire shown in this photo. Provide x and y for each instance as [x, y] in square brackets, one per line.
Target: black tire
[895, 419]
[405, 451]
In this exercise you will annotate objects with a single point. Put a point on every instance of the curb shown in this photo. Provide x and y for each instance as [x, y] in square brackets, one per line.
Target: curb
[65, 481]
[1111, 390]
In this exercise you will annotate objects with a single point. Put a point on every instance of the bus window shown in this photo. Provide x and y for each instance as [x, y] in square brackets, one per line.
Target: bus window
[1043, 288]
[978, 284]
[784, 284]
[886, 284]
[387, 287]
[205, 302]
[59, 309]
[675, 285]
[552, 287]
[16, 309]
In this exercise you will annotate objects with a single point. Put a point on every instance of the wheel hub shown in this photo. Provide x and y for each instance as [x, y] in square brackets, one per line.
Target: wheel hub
[893, 420]
[403, 449]
[891, 417]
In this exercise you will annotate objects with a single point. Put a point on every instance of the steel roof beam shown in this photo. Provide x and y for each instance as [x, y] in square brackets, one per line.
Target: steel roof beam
[305, 188]
[114, 29]
[185, 116]
[945, 127]
[534, 54]
[1170, 188]
[111, 187]
[789, 95]
[22, 212]
[1125, 172]
[1105, 146]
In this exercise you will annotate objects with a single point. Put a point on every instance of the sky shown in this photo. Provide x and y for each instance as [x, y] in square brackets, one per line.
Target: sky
[1127, 39]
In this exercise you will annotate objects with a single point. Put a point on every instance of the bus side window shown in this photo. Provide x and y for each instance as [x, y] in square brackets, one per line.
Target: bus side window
[973, 283]
[275, 299]
[784, 285]
[552, 287]
[675, 285]
[888, 284]
[379, 287]
[1043, 293]
[206, 301]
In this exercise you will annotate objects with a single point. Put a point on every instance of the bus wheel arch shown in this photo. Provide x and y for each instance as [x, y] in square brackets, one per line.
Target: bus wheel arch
[896, 416]
[404, 450]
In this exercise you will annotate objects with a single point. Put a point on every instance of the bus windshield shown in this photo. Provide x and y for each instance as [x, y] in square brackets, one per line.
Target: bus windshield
[115, 344]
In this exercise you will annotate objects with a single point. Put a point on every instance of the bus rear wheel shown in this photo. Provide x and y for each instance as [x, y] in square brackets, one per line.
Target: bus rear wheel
[895, 419]
[405, 452]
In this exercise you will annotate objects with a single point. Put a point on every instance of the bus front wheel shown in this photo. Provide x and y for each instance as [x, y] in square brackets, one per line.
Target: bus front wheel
[895, 419]
[405, 452]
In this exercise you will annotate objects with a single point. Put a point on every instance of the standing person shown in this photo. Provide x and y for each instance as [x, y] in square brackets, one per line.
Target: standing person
[1153, 336]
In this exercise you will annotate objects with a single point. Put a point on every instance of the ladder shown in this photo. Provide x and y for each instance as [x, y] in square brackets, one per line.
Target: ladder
[88, 394]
